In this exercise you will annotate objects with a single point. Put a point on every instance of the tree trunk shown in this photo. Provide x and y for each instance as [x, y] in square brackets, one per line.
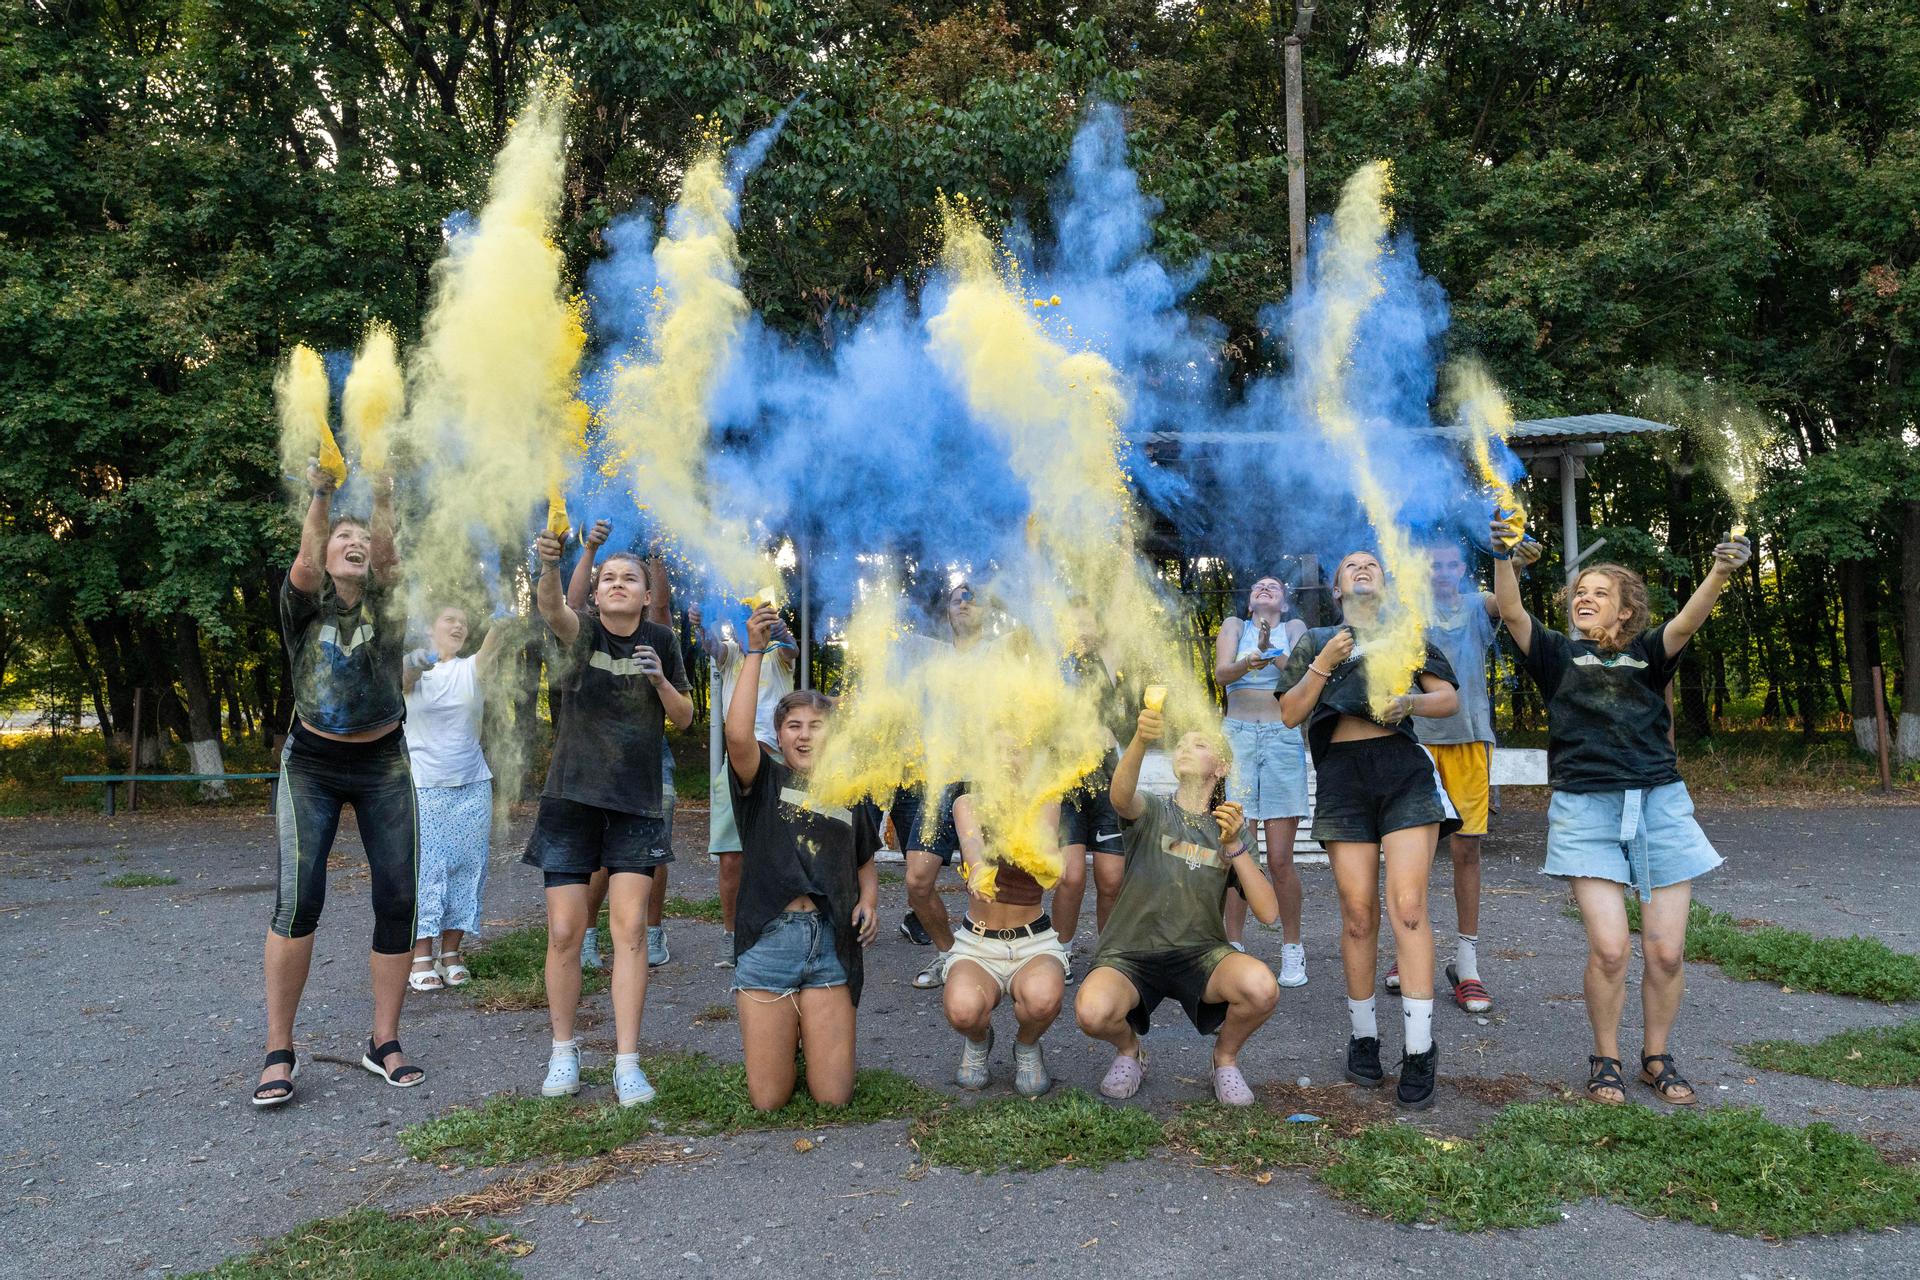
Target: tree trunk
[1860, 627]
[203, 713]
[1908, 739]
[91, 675]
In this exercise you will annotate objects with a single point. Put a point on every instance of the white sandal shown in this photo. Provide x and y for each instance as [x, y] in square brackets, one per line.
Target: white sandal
[428, 979]
[455, 973]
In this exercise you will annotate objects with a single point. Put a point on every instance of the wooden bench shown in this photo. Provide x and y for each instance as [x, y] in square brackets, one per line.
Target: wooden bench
[111, 782]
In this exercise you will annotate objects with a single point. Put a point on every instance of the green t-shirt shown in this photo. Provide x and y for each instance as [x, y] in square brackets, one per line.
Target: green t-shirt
[1174, 886]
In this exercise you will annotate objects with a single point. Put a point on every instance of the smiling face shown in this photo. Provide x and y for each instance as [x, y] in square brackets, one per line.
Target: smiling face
[621, 590]
[1199, 756]
[349, 547]
[1599, 612]
[801, 732]
[449, 632]
[1359, 575]
[1268, 595]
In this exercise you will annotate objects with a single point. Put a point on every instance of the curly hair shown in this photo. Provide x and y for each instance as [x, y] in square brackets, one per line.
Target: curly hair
[1631, 590]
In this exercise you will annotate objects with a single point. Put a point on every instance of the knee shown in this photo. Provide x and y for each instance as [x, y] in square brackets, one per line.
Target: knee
[1409, 908]
[565, 935]
[1095, 1017]
[1360, 924]
[768, 1098]
[1038, 1006]
[1073, 873]
[833, 1089]
[1258, 994]
[920, 882]
[968, 1011]
[1609, 956]
[1665, 956]
[1466, 852]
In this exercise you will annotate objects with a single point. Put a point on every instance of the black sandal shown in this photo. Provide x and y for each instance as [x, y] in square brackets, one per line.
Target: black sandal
[404, 1077]
[272, 1093]
[1668, 1081]
[1604, 1073]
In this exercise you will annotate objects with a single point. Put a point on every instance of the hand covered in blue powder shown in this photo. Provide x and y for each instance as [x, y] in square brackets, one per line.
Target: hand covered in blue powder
[1732, 554]
[421, 659]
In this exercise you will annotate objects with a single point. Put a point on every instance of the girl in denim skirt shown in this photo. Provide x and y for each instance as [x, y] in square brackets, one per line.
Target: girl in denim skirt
[809, 894]
[1620, 814]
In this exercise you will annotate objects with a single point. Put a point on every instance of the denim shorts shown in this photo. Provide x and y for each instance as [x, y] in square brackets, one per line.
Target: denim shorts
[1647, 839]
[793, 953]
[1269, 778]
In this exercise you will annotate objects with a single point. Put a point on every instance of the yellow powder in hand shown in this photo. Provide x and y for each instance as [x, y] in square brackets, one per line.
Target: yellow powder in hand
[374, 397]
[300, 388]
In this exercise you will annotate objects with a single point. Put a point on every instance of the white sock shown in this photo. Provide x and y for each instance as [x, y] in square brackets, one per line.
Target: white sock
[1466, 956]
[633, 1059]
[564, 1046]
[1418, 1017]
[589, 941]
[1360, 1013]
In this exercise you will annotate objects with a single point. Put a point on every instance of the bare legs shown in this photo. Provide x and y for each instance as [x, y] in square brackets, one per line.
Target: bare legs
[1246, 986]
[287, 963]
[1663, 942]
[1356, 874]
[773, 1026]
[1070, 893]
[923, 896]
[729, 887]
[568, 913]
[1286, 884]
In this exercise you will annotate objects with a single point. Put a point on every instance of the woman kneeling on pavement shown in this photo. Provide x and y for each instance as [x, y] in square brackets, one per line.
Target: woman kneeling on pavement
[1165, 936]
[808, 895]
[1005, 946]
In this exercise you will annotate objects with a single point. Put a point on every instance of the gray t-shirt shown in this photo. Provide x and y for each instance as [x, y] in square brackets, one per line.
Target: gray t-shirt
[1464, 636]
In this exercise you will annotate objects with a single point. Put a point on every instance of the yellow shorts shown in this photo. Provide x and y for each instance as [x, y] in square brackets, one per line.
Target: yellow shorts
[1463, 772]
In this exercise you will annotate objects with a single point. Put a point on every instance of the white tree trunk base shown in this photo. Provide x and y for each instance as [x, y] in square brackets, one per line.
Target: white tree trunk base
[206, 758]
[1866, 735]
[1907, 738]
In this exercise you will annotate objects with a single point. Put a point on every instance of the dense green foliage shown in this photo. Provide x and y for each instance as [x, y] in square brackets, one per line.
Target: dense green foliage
[1676, 207]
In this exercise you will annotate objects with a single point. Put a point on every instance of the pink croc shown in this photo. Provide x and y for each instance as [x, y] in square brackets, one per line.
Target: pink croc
[1230, 1088]
[1123, 1078]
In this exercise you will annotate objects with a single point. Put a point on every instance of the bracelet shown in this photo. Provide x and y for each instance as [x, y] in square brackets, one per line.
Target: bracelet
[1324, 675]
[1234, 852]
[768, 649]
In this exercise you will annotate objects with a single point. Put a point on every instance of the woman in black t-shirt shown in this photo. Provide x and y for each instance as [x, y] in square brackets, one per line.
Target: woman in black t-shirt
[620, 681]
[1620, 815]
[1378, 798]
[808, 895]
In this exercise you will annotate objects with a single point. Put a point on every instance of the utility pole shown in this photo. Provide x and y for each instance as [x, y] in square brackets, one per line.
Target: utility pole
[1297, 148]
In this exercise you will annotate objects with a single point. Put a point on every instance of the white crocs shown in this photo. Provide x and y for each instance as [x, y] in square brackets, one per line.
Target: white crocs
[630, 1083]
[563, 1071]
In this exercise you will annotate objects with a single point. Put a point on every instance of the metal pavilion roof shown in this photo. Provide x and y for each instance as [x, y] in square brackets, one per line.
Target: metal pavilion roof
[1584, 427]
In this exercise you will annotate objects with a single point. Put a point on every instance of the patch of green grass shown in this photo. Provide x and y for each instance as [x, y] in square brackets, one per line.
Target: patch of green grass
[695, 1096]
[368, 1245]
[891, 877]
[510, 970]
[1877, 1057]
[1249, 1140]
[1851, 966]
[1729, 1168]
[140, 880]
[707, 909]
[1069, 1126]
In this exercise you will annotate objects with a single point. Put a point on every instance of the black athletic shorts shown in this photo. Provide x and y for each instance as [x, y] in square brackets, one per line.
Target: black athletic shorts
[1178, 975]
[1374, 787]
[1087, 818]
[571, 841]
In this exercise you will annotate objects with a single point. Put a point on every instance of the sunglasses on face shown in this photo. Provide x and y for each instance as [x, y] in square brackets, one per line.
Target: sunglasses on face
[963, 596]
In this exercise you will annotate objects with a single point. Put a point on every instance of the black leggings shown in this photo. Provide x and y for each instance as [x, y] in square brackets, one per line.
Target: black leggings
[319, 777]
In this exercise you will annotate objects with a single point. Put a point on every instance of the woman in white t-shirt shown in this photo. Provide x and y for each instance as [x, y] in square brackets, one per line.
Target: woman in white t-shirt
[454, 790]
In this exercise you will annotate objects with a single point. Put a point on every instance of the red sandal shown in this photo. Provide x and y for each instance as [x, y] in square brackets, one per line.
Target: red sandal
[1469, 995]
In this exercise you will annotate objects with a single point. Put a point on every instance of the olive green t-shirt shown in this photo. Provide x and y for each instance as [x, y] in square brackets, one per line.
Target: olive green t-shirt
[1174, 886]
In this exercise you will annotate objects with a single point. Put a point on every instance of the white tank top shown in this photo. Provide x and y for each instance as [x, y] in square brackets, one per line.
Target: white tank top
[443, 725]
[1267, 677]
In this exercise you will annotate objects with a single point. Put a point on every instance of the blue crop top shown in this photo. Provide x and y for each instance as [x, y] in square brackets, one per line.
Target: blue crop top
[1267, 677]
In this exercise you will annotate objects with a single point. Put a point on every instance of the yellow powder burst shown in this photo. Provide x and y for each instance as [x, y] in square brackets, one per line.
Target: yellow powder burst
[374, 397]
[656, 415]
[300, 388]
[1721, 430]
[1484, 417]
[493, 378]
[1348, 278]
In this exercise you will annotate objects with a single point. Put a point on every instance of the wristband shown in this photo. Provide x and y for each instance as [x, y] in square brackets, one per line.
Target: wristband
[1498, 554]
[768, 649]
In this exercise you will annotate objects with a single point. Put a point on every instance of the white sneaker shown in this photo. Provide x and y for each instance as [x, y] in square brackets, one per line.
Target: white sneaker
[1293, 965]
[1030, 1078]
[631, 1085]
[972, 1071]
[934, 975]
[726, 959]
[590, 950]
[657, 953]
[563, 1072]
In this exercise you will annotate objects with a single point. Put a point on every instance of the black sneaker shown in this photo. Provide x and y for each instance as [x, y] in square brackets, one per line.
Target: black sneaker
[1416, 1079]
[1363, 1062]
[915, 932]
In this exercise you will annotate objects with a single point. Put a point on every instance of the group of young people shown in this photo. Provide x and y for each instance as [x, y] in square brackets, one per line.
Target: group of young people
[1174, 869]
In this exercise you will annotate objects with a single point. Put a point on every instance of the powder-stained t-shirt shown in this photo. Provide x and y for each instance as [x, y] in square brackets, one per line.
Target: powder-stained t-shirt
[612, 727]
[1345, 694]
[1173, 888]
[1607, 717]
[1464, 636]
[789, 851]
[345, 658]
